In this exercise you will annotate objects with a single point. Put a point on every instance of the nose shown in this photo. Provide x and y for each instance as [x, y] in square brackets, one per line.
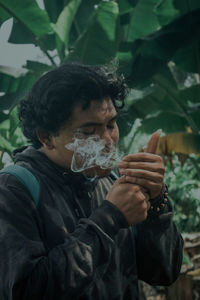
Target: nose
[106, 135]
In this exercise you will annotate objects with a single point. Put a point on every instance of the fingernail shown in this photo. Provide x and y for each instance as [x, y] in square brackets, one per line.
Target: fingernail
[160, 131]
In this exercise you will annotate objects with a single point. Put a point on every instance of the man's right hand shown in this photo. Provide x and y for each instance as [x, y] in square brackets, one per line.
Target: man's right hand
[130, 199]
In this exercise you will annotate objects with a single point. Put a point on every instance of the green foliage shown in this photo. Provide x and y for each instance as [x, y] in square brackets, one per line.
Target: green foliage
[65, 20]
[30, 16]
[99, 42]
[149, 38]
[135, 28]
[11, 136]
[184, 191]
[164, 106]
[3, 15]
[15, 84]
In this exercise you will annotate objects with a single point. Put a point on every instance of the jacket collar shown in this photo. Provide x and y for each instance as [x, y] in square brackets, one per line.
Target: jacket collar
[42, 164]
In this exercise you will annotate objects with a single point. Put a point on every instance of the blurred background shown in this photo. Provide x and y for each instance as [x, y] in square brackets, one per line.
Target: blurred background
[155, 44]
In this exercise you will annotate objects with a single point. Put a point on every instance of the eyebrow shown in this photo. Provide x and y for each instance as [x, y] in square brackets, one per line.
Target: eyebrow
[89, 124]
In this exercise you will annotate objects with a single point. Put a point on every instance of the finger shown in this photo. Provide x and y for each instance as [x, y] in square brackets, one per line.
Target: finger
[150, 186]
[143, 157]
[121, 179]
[153, 142]
[144, 174]
[153, 167]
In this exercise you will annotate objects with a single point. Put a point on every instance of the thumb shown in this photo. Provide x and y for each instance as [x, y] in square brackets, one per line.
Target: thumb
[153, 142]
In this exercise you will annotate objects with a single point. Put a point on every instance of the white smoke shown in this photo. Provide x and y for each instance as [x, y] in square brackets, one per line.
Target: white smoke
[90, 152]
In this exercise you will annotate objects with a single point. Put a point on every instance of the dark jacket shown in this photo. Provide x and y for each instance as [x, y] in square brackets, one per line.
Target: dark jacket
[75, 244]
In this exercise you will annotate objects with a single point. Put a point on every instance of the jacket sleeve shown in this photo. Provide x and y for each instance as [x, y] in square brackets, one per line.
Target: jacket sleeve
[29, 271]
[159, 248]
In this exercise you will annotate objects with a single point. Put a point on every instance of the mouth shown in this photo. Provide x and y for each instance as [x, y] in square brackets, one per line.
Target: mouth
[91, 152]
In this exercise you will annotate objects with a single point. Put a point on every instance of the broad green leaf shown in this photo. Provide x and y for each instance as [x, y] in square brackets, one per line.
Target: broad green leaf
[172, 37]
[4, 127]
[125, 51]
[107, 17]
[14, 121]
[125, 60]
[60, 47]
[125, 6]
[5, 144]
[82, 19]
[9, 100]
[65, 19]
[18, 139]
[3, 117]
[153, 52]
[178, 102]
[54, 8]
[99, 42]
[15, 88]
[195, 115]
[48, 41]
[169, 123]
[14, 72]
[37, 67]
[186, 6]
[167, 75]
[152, 104]
[4, 15]
[125, 122]
[143, 69]
[165, 11]
[191, 94]
[188, 58]
[29, 15]
[22, 35]
[164, 98]
[10, 84]
[137, 27]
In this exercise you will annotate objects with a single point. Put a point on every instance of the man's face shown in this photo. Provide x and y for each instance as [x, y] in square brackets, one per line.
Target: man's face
[99, 119]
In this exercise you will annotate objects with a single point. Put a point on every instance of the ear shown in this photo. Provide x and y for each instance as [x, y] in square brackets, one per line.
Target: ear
[45, 139]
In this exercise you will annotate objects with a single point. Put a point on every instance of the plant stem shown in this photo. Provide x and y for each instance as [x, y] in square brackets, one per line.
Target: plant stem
[47, 54]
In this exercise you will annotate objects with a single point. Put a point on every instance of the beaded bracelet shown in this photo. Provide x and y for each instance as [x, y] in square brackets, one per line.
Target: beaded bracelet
[158, 204]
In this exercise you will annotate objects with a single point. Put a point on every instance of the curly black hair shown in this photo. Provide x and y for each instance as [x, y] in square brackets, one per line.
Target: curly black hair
[52, 98]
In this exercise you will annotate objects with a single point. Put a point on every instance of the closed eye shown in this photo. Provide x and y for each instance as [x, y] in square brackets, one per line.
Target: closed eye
[88, 131]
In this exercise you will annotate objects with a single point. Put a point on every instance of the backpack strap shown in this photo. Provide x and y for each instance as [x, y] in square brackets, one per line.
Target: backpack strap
[27, 178]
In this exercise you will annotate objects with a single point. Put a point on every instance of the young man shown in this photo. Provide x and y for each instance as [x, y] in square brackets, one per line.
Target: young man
[92, 235]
